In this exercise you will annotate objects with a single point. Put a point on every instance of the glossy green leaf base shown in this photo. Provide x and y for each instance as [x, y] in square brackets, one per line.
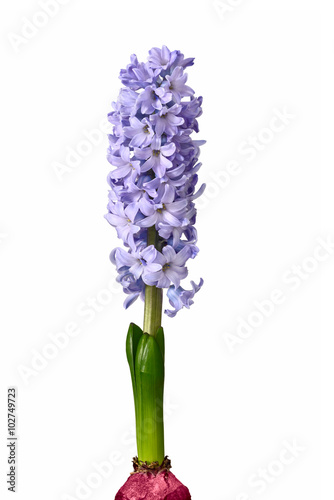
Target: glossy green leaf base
[145, 354]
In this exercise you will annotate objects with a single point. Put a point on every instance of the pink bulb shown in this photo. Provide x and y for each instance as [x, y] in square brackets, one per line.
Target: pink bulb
[150, 486]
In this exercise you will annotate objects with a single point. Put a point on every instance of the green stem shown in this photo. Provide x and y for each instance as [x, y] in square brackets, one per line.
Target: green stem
[153, 296]
[150, 374]
[150, 387]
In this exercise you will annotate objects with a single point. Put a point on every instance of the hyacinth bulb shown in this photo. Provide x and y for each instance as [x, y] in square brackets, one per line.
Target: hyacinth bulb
[143, 486]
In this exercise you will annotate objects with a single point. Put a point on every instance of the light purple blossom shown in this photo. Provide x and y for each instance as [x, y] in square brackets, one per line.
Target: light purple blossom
[140, 132]
[172, 268]
[125, 165]
[167, 231]
[126, 101]
[124, 221]
[176, 84]
[156, 156]
[137, 75]
[154, 180]
[153, 98]
[162, 58]
[181, 61]
[139, 262]
[162, 210]
[167, 121]
[179, 298]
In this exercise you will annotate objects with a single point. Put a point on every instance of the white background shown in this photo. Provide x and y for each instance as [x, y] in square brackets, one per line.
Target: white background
[229, 411]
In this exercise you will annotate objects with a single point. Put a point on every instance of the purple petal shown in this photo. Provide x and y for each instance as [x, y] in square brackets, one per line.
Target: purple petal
[151, 279]
[131, 211]
[120, 172]
[163, 282]
[124, 258]
[170, 219]
[173, 276]
[149, 253]
[130, 300]
[182, 256]
[160, 126]
[114, 220]
[169, 194]
[149, 221]
[169, 253]
[168, 149]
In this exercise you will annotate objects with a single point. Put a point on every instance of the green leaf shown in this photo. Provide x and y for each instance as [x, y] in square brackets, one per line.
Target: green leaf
[132, 340]
[160, 338]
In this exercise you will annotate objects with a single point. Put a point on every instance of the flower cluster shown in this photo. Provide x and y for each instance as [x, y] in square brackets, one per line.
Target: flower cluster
[153, 184]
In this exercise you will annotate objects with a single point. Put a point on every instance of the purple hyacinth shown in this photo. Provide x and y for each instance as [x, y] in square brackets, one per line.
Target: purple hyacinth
[153, 184]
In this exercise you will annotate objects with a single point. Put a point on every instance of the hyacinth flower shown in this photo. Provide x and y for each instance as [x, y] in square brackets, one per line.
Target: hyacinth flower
[153, 186]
